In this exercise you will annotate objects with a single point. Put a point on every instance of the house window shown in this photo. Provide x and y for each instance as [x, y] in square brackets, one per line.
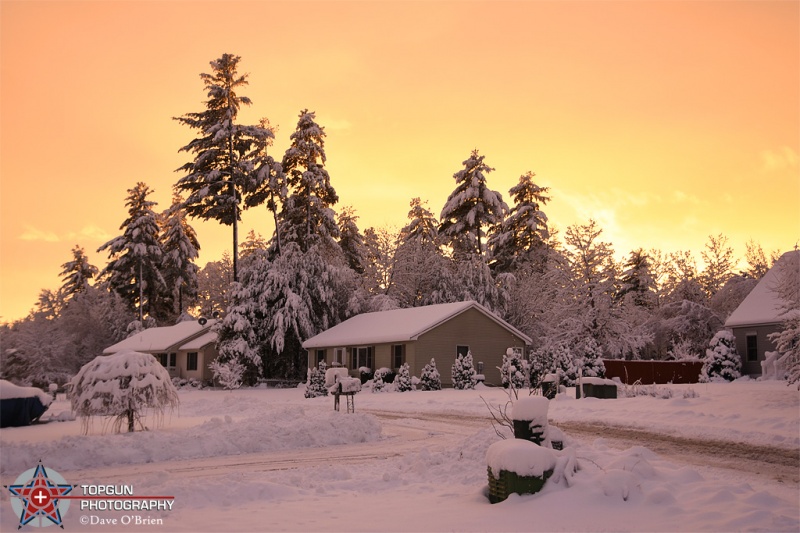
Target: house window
[339, 356]
[462, 350]
[398, 355]
[162, 358]
[362, 356]
[191, 361]
[173, 360]
[320, 356]
[752, 347]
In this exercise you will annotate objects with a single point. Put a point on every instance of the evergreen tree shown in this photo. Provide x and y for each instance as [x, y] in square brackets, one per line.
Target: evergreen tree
[471, 209]
[315, 382]
[422, 225]
[464, 372]
[721, 360]
[181, 247]
[636, 280]
[402, 381]
[524, 229]
[134, 269]
[225, 153]
[513, 372]
[430, 378]
[307, 215]
[269, 187]
[565, 365]
[351, 241]
[787, 288]
[76, 274]
[591, 356]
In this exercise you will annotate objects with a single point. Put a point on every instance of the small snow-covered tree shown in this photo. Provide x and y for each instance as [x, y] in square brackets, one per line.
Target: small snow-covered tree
[315, 382]
[565, 366]
[76, 274]
[464, 374]
[513, 372]
[430, 379]
[378, 379]
[124, 385]
[228, 373]
[592, 358]
[721, 360]
[402, 381]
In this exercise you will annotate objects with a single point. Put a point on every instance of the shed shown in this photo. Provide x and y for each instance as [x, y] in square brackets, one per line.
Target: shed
[185, 349]
[760, 314]
[415, 336]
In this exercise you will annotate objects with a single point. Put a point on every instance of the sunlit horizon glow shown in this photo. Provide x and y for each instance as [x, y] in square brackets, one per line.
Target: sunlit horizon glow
[665, 122]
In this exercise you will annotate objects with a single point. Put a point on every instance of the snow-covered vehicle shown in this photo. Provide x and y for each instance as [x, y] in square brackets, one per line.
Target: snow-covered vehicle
[21, 406]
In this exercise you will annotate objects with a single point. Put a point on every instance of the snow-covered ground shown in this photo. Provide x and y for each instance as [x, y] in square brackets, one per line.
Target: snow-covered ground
[271, 460]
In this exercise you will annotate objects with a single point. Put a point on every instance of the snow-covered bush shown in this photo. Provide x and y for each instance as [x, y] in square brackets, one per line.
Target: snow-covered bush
[591, 355]
[378, 379]
[565, 367]
[464, 372]
[402, 382]
[721, 360]
[315, 382]
[430, 378]
[123, 385]
[228, 374]
[513, 372]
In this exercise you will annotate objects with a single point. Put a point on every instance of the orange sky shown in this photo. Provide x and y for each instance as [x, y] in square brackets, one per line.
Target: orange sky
[664, 121]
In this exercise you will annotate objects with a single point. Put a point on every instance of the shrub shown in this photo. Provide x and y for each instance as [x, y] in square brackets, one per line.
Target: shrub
[721, 360]
[402, 382]
[464, 372]
[430, 378]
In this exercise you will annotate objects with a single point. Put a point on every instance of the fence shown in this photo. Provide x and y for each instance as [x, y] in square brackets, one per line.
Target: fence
[648, 372]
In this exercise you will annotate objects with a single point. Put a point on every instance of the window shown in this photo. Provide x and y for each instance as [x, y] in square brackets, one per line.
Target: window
[162, 358]
[320, 356]
[462, 350]
[339, 356]
[398, 355]
[362, 356]
[173, 360]
[191, 361]
[752, 347]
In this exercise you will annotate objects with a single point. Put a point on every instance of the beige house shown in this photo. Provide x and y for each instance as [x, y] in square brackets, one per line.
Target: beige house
[185, 349]
[759, 315]
[415, 336]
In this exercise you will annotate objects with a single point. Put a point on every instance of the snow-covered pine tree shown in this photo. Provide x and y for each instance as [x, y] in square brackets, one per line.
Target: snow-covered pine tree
[464, 374]
[637, 280]
[307, 216]
[422, 225]
[721, 360]
[513, 372]
[472, 209]
[514, 241]
[787, 340]
[402, 381]
[378, 379]
[223, 170]
[350, 239]
[430, 379]
[134, 269]
[269, 187]
[181, 247]
[315, 382]
[592, 358]
[565, 367]
[76, 274]
[229, 374]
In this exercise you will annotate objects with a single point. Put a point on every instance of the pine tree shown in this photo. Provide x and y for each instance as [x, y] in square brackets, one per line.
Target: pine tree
[565, 367]
[269, 187]
[402, 381]
[134, 269]
[637, 280]
[513, 372]
[225, 153]
[524, 229]
[464, 372]
[422, 225]
[351, 241]
[315, 382]
[471, 209]
[721, 360]
[181, 247]
[591, 356]
[76, 274]
[430, 378]
[787, 288]
[307, 216]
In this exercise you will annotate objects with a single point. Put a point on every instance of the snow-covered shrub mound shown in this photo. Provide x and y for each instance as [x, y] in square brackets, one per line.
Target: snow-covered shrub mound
[464, 372]
[721, 360]
[122, 385]
[430, 378]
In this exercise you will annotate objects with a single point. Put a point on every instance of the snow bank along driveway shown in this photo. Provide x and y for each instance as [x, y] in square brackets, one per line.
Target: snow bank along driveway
[256, 460]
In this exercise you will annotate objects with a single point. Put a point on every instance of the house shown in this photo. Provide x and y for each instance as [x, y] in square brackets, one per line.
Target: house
[185, 349]
[759, 315]
[415, 336]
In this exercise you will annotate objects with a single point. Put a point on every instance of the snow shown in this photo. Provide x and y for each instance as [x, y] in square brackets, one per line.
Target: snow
[395, 325]
[597, 381]
[9, 391]
[522, 457]
[530, 408]
[762, 305]
[163, 338]
[270, 460]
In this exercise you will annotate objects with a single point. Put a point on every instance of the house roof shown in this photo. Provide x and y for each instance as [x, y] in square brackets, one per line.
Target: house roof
[398, 325]
[163, 339]
[763, 306]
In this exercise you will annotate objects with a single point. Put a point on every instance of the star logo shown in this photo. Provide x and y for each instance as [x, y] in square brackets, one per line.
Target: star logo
[38, 494]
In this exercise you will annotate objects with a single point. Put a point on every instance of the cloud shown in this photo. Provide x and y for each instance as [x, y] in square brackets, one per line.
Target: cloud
[782, 158]
[681, 197]
[91, 233]
[35, 234]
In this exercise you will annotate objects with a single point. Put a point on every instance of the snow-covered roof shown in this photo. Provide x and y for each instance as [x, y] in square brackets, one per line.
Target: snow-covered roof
[164, 338]
[762, 305]
[198, 342]
[398, 325]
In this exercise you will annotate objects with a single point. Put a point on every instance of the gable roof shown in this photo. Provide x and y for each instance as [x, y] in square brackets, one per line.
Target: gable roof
[167, 338]
[763, 306]
[398, 325]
